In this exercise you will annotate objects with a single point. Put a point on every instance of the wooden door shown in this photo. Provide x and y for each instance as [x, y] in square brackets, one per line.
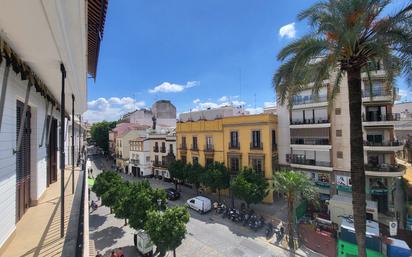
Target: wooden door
[52, 154]
[23, 163]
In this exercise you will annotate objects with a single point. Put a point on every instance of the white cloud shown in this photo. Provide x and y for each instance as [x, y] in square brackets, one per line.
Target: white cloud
[111, 109]
[167, 87]
[196, 101]
[288, 31]
[223, 98]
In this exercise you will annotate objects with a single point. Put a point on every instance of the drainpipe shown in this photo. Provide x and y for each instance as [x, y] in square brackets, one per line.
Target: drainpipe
[62, 112]
[72, 144]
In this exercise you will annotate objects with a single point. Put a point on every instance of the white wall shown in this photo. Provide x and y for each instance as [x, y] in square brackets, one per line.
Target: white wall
[283, 134]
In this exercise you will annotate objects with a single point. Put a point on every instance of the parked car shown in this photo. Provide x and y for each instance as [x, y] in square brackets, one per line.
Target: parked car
[172, 194]
[200, 204]
[143, 243]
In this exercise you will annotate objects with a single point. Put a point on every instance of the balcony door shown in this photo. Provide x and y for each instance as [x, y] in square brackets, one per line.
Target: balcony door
[23, 163]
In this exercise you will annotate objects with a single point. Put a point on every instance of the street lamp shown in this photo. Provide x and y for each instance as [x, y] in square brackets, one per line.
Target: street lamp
[159, 203]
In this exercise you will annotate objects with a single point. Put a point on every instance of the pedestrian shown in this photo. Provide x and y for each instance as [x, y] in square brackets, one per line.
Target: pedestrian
[120, 252]
[113, 254]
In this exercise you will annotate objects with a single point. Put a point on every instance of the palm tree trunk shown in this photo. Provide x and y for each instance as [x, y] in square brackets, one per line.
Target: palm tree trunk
[290, 221]
[357, 161]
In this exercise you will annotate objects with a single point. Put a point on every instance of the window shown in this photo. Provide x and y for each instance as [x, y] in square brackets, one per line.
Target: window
[184, 142]
[195, 160]
[338, 132]
[339, 154]
[234, 164]
[147, 158]
[170, 148]
[183, 159]
[273, 139]
[338, 111]
[209, 141]
[257, 165]
[256, 143]
[234, 139]
[208, 161]
[156, 159]
[194, 146]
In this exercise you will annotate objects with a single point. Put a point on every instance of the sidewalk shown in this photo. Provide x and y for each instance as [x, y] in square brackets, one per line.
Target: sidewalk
[38, 232]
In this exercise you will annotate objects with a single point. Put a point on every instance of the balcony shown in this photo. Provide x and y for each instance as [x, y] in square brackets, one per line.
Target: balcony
[163, 149]
[156, 149]
[234, 145]
[309, 101]
[209, 148]
[310, 123]
[376, 119]
[322, 184]
[183, 147]
[383, 146]
[379, 94]
[160, 164]
[300, 161]
[310, 143]
[256, 146]
[134, 162]
[384, 170]
[194, 147]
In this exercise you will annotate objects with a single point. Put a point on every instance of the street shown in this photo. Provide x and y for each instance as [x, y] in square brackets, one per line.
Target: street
[207, 234]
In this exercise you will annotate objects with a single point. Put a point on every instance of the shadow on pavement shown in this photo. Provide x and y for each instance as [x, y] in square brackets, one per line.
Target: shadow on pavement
[106, 236]
[96, 220]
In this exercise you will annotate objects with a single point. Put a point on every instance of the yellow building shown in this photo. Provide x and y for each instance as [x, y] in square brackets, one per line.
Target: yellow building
[238, 141]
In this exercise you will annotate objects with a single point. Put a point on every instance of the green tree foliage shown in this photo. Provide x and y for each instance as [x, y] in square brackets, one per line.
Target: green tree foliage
[122, 201]
[167, 229]
[104, 181]
[100, 134]
[216, 177]
[194, 174]
[178, 171]
[347, 38]
[143, 198]
[249, 186]
[295, 185]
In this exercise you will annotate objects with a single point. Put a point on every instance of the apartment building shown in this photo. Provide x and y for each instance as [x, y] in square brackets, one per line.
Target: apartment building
[140, 164]
[163, 151]
[237, 141]
[47, 50]
[123, 144]
[316, 139]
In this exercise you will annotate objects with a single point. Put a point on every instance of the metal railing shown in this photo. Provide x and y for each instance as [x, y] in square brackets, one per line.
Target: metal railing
[234, 145]
[194, 147]
[384, 167]
[309, 99]
[383, 143]
[256, 145]
[209, 148]
[376, 92]
[183, 147]
[156, 149]
[381, 117]
[302, 160]
[309, 121]
[309, 141]
[80, 242]
[163, 149]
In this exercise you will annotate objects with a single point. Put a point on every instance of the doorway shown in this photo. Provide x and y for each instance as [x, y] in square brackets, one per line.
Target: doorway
[52, 153]
[23, 162]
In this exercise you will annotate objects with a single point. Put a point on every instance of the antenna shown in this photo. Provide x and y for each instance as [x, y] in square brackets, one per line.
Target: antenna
[255, 99]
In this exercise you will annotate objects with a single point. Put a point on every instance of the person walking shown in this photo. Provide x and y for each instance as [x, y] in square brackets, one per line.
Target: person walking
[120, 252]
[113, 254]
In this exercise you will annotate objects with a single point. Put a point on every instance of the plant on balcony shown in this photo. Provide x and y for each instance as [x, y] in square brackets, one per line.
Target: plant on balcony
[216, 177]
[249, 186]
[167, 229]
[346, 36]
[178, 171]
[143, 198]
[295, 185]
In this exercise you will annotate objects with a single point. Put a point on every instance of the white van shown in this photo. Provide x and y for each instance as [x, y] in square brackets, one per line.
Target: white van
[200, 204]
[143, 243]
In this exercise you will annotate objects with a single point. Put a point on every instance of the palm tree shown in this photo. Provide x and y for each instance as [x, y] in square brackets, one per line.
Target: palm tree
[347, 36]
[295, 185]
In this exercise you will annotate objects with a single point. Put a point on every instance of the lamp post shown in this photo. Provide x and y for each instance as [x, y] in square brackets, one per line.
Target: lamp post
[159, 204]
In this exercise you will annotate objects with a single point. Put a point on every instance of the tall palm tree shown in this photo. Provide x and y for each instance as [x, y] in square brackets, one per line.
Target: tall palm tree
[295, 185]
[346, 37]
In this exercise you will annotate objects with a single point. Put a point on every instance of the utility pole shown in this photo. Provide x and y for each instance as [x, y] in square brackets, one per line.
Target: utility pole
[62, 114]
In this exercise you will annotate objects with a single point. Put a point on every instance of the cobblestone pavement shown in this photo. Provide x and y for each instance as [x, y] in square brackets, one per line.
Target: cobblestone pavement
[208, 234]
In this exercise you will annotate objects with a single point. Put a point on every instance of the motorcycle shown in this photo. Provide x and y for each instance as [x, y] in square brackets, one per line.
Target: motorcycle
[269, 231]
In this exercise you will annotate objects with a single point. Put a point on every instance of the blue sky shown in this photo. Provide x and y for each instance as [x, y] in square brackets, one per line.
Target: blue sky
[195, 53]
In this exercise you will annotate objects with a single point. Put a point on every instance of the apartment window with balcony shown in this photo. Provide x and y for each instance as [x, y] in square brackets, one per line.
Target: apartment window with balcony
[234, 164]
[183, 143]
[374, 139]
[156, 161]
[194, 146]
[156, 147]
[273, 139]
[257, 165]
[234, 139]
[164, 161]
[183, 158]
[256, 143]
[209, 143]
[209, 161]
[163, 149]
[170, 148]
[195, 160]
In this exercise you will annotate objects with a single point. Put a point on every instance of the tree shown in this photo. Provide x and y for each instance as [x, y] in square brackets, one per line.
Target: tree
[177, 171]
[167, 229]
[104, 181]
[100, 133]
[346, 37]
[295, 185]
[143, 199]
[216, 177]
[249, 186]
[194, 174]
[122, 201]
